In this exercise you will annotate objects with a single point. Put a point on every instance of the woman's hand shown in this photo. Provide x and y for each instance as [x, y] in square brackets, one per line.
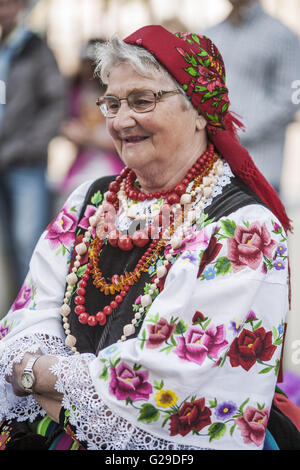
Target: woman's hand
[15, 378]
[44, 392]
[52, 407]
[45, 380]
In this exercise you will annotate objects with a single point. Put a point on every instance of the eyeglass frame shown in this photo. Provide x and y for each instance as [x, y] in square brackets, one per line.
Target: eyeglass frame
[157, 95]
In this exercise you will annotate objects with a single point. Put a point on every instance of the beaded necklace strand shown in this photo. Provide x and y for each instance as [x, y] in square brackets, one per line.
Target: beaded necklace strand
[203, 185]
[121, 284]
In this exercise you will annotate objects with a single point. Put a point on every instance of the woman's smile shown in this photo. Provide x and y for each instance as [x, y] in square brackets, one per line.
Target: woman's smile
[154, 144]
[134, 139]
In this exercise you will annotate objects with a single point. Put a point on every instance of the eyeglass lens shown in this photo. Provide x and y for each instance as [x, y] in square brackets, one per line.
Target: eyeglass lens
[139, 101]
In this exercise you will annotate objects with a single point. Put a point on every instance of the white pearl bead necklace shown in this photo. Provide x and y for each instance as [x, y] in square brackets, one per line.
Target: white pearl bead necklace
[131, 212]
[206, 188]
[176, 242]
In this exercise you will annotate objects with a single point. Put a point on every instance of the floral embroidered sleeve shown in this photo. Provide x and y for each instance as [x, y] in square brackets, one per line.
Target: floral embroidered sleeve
[34, 322]
[202, 372]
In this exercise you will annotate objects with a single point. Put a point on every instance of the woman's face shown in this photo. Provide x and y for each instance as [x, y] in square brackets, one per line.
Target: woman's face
[156, 139]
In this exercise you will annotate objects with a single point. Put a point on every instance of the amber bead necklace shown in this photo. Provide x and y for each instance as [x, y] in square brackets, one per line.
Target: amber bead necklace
[120, 284]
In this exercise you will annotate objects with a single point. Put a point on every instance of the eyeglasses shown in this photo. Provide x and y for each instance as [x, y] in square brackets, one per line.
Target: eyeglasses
[141, 101]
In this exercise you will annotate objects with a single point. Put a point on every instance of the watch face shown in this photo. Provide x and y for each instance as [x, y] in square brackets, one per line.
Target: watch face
[27, 380]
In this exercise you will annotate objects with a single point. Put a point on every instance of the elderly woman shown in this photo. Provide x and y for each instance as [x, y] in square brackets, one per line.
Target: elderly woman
[153, 313]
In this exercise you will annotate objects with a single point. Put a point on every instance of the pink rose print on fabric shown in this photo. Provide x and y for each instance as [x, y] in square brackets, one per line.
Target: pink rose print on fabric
[208, 79]
[62, 230]
[253, 425]
[159, 333]
[24, 297]
[198, 343]
[248, 246]
[192, 241]
[195, 238]
[129, 383]
[4, 330]
[84, 223]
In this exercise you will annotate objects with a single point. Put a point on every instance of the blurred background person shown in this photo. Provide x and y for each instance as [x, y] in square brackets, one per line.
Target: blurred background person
[86, 128]
[260, 94]
[35, 106]
[174, 24]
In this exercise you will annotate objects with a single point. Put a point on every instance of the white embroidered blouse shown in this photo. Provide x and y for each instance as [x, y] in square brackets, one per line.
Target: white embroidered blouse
[201, 373]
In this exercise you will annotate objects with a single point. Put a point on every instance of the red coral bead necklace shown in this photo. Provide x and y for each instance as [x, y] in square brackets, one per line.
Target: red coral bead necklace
[120, 285]
[171, 197]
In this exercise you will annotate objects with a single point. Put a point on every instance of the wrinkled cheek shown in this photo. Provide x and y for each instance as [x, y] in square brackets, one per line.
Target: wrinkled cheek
[113, 134]
[110, 128]
[118, 146]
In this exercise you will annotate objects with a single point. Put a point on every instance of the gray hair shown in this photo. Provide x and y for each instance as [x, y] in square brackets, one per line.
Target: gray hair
[114, 52]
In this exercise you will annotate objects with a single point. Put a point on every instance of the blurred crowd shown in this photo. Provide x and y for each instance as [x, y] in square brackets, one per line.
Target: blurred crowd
[262, 58]
[42, 104]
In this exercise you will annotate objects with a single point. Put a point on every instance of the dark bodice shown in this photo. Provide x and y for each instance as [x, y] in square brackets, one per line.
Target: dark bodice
[115, 261]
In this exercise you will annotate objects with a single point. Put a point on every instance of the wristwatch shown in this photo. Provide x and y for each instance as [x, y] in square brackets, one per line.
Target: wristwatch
[27, 377]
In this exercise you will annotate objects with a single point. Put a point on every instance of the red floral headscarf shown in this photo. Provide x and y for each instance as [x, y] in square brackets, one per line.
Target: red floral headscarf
[197, 65]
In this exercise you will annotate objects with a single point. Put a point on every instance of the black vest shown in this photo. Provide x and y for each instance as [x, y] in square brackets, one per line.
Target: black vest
[116, 261]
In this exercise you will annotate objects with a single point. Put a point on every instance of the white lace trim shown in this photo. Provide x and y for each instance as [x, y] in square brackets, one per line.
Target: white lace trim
[24, 408]
[224, 180]
[95, 423]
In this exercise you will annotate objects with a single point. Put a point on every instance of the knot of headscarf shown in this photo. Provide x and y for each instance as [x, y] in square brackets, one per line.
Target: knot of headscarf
[197, 65]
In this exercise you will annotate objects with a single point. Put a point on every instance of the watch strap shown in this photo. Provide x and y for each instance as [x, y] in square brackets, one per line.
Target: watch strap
[28, 369]
[30, 363]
